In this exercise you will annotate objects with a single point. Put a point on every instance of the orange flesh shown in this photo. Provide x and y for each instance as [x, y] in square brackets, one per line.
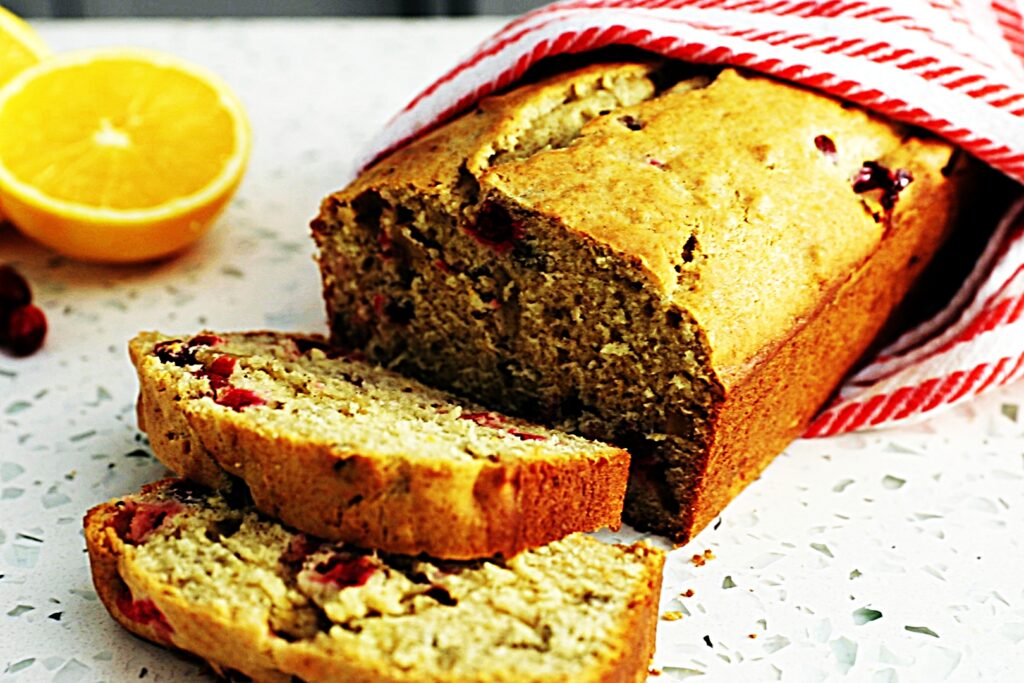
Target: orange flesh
[170, 138]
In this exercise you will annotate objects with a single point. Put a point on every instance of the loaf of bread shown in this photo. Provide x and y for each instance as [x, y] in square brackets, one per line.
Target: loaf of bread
[183, 567]
[681, 260]
[351, 452]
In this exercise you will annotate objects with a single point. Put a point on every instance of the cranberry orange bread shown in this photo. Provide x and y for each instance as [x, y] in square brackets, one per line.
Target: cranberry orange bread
[352, 452]
[684, 264]
[181, 566]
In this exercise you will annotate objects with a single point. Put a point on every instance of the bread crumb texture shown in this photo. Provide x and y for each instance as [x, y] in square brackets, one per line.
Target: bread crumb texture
[299, 604]
[300, 388]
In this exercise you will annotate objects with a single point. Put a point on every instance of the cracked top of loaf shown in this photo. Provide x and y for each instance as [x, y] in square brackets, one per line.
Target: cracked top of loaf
[725, 190]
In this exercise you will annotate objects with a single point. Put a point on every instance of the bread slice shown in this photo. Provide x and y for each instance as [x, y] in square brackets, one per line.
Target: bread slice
[678, 259]
[181, 566]
[351, 452]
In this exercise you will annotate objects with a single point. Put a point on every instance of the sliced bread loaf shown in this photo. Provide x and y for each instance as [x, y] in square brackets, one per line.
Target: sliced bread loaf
[682, 260]
[183, 567]
[351, 452]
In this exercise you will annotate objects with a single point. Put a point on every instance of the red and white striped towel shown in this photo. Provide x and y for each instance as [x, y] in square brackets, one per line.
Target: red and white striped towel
[955, 67]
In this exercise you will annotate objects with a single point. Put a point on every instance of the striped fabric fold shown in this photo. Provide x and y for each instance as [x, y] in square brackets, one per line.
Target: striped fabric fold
[954, 67]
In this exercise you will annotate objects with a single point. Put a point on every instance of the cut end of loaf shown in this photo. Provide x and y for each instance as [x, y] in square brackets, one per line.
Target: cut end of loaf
[452, 278]
[463, 285]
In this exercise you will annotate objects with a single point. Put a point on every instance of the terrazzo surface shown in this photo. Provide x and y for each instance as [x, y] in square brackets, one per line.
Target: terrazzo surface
[882, 557]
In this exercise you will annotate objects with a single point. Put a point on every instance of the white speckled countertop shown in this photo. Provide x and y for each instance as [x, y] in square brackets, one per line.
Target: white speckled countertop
[882, 557]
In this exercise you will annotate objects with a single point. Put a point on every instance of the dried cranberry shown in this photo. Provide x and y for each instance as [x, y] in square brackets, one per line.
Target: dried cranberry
[206, 340]
[874, 176]
[239, 399]
[495, 228]
[345, 571]
[219, 371]
[222, 365]
[379, 301]
[182, 353]
[24, 329]
[149, 518]
[174, 351]
[136, 521]
[143, 612]
[825, 146]
[526, 436]
[488, 419]
[14, 290]
[871, 176]
[386, 246]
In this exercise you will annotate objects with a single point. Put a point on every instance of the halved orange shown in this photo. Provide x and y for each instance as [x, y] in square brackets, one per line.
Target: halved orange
[20, 47]
[118, 155]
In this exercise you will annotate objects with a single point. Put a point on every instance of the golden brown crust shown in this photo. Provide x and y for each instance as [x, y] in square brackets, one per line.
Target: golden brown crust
[452, 510]
[638, 635]
[772, 401]
[243, 643]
